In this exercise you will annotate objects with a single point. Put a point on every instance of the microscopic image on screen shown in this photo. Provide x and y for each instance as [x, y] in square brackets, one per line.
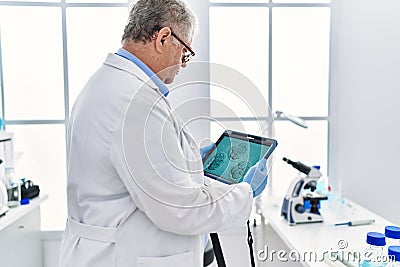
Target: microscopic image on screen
[239, 170]
[238, 151]
[218, 161]
[233, 157]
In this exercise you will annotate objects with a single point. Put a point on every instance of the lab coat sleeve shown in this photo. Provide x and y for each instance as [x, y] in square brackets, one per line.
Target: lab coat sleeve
[150, 157]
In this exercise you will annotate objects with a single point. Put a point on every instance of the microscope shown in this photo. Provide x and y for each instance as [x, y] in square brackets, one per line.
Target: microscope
[301, 203]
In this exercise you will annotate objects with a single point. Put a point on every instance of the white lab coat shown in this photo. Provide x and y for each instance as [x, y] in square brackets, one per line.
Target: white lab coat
[137, 195]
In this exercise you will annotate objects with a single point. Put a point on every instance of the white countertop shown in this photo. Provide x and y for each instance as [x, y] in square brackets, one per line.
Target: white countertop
[16, 213]
[324, 237]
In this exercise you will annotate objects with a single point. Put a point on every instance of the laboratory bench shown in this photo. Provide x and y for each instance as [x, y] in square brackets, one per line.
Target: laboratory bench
[21, 239]
[320, 239]
[20, 236]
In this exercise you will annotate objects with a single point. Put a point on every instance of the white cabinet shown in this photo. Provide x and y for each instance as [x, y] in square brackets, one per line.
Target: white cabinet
[20, 236]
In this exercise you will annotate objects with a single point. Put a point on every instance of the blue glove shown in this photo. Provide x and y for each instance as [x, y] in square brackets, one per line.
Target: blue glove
[204, 150]
[257, 177]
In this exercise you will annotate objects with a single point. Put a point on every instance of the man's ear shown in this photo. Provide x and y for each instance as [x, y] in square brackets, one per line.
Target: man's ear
[161, 39]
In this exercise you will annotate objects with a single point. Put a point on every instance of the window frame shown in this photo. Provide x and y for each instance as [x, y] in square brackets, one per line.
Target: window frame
[63, 5]
[271, 5]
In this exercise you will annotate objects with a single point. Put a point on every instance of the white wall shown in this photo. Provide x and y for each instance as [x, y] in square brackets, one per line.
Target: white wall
[365, 103]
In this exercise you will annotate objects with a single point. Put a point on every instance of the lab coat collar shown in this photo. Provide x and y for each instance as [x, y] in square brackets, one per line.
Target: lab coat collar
[156, 80]
[123, 64]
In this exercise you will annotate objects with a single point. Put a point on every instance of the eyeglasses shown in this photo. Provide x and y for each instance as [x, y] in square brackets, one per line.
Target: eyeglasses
[188, 54]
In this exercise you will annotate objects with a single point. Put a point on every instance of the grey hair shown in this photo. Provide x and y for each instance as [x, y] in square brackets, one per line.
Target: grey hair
[149, 16]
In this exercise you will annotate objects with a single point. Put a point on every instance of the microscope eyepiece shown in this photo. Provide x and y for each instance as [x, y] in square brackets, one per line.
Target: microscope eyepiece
[298, 166]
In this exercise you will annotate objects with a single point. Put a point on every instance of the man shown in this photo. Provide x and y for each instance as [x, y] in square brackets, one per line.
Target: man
[137, 195]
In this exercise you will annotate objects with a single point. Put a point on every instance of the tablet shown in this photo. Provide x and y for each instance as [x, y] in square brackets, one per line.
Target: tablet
[233, 155]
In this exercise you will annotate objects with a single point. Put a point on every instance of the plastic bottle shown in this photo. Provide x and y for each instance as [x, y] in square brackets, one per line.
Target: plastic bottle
[13, 188]
[394, 254]
[323, 185]
[374, 255]
[392, 234]
[323, 188]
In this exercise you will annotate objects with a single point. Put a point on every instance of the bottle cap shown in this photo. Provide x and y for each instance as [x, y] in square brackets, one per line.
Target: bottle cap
[24, 201]
[376, 239]
[317, 167]
[392, 232]
[394, 251]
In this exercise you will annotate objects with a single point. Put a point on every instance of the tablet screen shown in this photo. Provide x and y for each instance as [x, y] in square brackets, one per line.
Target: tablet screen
[234, 154]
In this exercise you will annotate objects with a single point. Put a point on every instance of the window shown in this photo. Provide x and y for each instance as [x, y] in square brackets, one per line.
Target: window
[83, 56]
[283, 47]
[48, 50]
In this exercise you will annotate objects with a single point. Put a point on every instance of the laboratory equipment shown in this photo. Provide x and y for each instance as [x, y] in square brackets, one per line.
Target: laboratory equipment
[29, 189]
[392, 234]
[394, 255]
[3, 199]
[374, 255]
[13, 188]
[294, 119]
[6, 156]
[7, 175]
[301, 203]
[6, 153]
[356, 223]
